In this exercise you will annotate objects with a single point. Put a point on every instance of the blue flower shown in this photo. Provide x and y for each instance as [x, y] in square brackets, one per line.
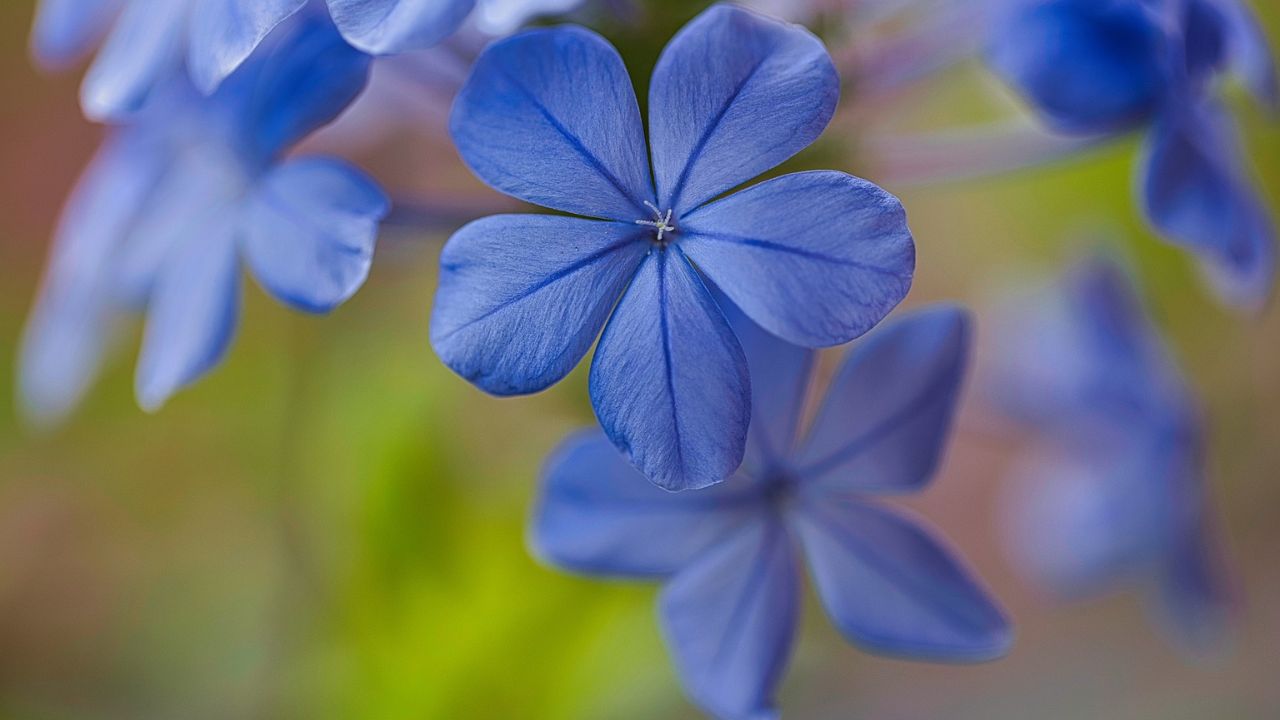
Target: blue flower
[1103, 67]
[550, 117]
[150, 40]
[1113, 494]
[729, 555]
[172, 205]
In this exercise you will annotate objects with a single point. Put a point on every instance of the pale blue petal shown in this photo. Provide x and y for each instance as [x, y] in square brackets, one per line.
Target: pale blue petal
[225, 32]
[502, 17]
[550, 117]
[522, 297]
[1249, 53]
[143, 51]
[887, 416]
[816, 258]
[730, 618]
[669, 382]
[309, 230]
[597, 514]
[733, 95]
[66, 30]
[383, 27]
[893, 588]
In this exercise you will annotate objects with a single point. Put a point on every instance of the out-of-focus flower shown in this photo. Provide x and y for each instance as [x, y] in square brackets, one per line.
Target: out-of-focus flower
[550, 117]
[1114, 494]
[501, 17]
[730, 554]
[173, 204]
[1106, 67]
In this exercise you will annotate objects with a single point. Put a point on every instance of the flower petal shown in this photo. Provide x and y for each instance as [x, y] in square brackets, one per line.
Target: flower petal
[733, 95]
[669, 382]
[816, 258]
[522, 297]
[309, 230]
[550, 117]
[384, 27]
[887, 416]
[599, 515]
[143, 50]
[893, 588]
[65, 30]
[1249, 53]
[1196, 598]
[192, 314]
[729, 620]
[225, 32]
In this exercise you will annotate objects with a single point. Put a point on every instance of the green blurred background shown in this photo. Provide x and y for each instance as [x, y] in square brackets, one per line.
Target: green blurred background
[332, 524]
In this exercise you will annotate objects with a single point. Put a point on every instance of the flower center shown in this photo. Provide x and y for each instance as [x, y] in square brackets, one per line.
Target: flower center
[661, 222]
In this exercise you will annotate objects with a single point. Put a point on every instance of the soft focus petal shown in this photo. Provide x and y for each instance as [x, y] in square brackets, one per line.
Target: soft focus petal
[888, 414]
[598, 514]
[500, 17]
[893, 588]
[65, 30]
[192, 313]
[1249, 53]
[550, 117]
[383, 27]
[816, 258]
[143, 50]
[669, 382]
[522, 297]
[730, 618]
[309, 230]
[1085, 66]
[734, 94]
[225, 32]
[1195, 594]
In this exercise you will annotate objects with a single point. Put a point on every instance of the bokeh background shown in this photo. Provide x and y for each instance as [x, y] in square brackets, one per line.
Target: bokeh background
[332, 525]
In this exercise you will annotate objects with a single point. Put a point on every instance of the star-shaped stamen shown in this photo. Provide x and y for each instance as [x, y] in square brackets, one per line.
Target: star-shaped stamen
[661, 221]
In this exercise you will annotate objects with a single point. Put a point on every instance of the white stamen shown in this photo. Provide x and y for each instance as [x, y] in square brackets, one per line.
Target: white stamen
[662, 221]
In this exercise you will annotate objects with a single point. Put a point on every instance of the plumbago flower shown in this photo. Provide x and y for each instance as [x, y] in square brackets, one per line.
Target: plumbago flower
[171, 206]
[1104, 68]
[1114, 495]
[549, 116]
[729, 554]
[149, 39]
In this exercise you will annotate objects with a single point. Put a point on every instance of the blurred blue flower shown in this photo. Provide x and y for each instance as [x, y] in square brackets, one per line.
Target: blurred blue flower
[172, 205]
[550, 117]
[730, 554]
[1103, 67]
[1113, 494]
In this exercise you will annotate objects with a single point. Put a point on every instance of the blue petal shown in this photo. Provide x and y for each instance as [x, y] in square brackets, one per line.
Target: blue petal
[816, 258]
[383, 27]
[192, 313]
[669, 382]
[66, 30]
[503, 17]
[598, 514]
[143, 50]
[550, 117]
[1085, 66]
[733, 95]
[1248, 52]
[309, 230]
[888, 414]
[1196, 193]
[1195, 594]
[522, 297]
[730, 618]
[225, 32]
[894, 588]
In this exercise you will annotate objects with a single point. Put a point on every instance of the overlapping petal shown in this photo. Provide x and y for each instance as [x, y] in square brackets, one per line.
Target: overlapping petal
[143, 50]
[522, 297]
[669, 382]
[550, 117]
[816, 258]
[225, 32]
[734, 94]
[382, 27]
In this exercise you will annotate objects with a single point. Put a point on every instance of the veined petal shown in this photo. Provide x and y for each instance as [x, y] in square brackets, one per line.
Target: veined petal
[733, 95]
[888, 413]
[383, 27]
[729, 620]
[143, 50]
[669, 381]
[65, 30]
[816, 258]
[192, 313]
[309, 229]
[225, 32]
[597, 514]
[893, 588]
[550, 117]
[522, 297]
